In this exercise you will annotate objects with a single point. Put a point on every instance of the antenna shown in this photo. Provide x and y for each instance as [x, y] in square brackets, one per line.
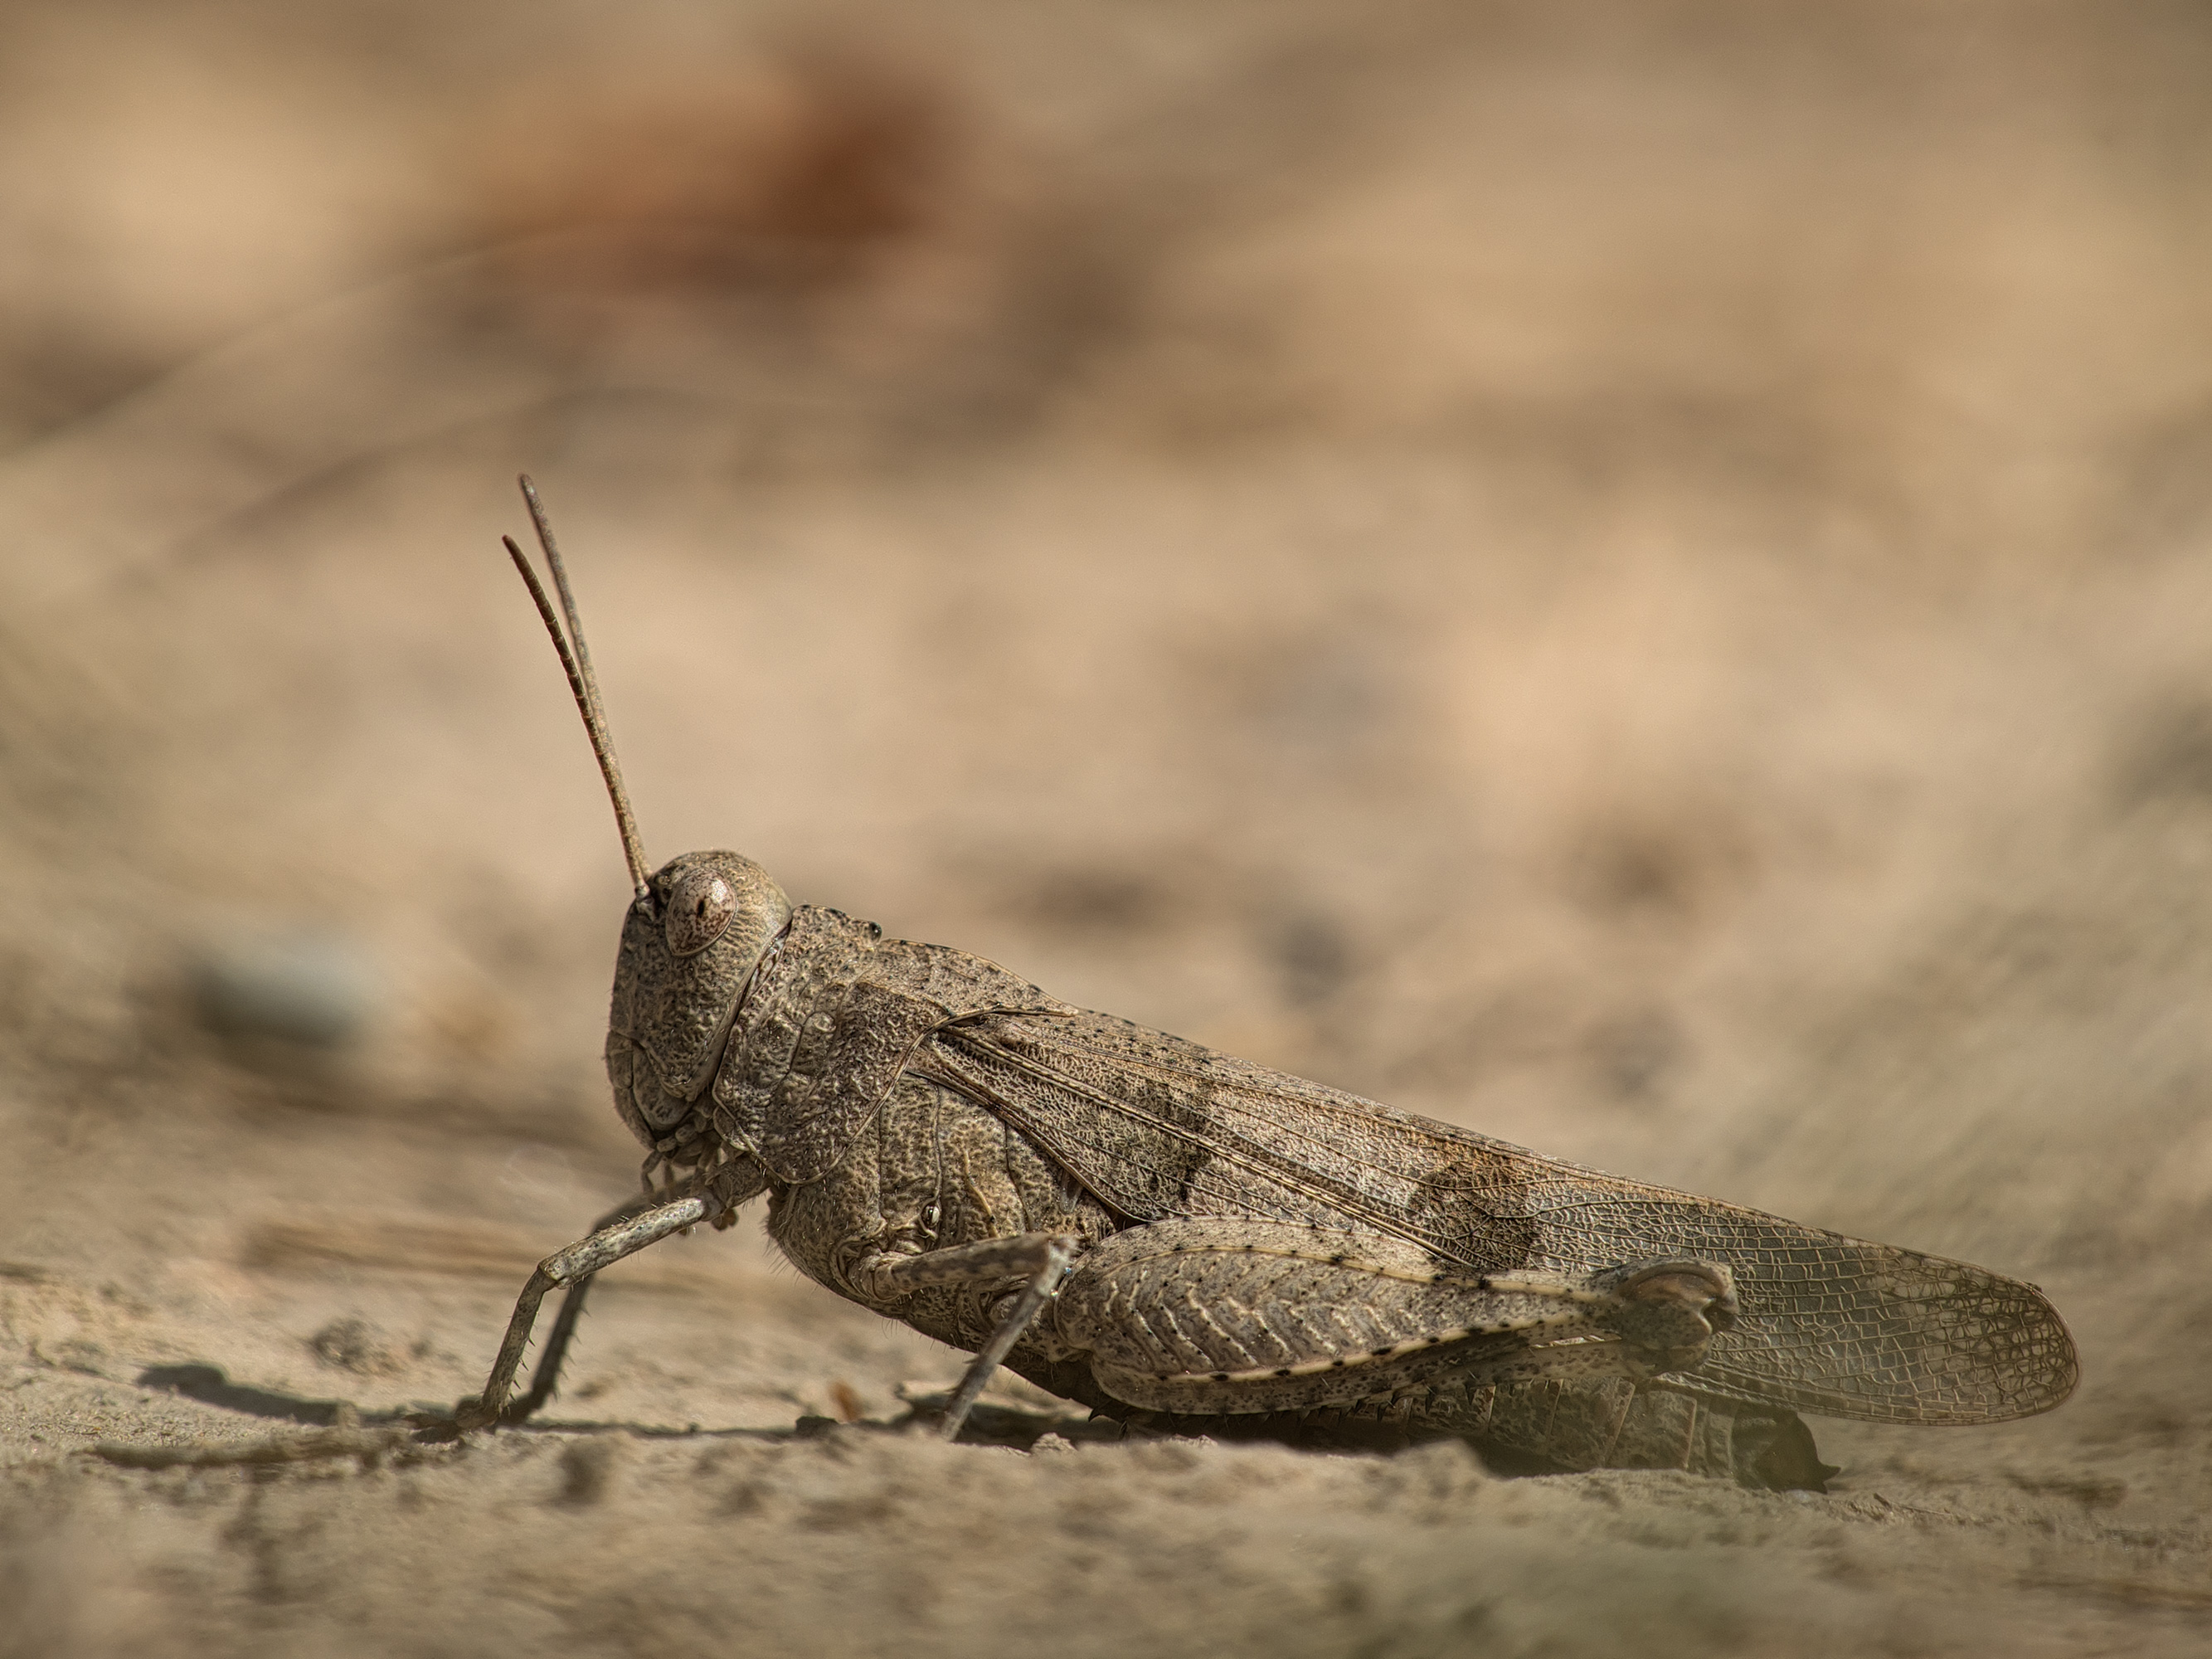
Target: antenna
[581, 680]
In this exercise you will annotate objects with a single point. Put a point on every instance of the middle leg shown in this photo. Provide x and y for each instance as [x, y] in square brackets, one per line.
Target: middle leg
[1040, 1259]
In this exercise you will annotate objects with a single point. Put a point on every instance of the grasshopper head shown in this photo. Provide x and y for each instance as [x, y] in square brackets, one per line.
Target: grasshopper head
[698, 927]
[690, 945]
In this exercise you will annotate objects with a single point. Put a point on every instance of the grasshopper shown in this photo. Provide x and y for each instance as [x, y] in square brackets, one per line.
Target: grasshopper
[1190, 1242]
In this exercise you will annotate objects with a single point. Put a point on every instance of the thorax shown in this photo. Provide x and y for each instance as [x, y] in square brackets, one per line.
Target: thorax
[932, 1170]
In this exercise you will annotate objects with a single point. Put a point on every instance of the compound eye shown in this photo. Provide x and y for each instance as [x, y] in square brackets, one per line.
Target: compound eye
[698, 909]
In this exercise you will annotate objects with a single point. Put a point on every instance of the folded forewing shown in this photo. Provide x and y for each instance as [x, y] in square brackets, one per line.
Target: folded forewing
[1157, 1127]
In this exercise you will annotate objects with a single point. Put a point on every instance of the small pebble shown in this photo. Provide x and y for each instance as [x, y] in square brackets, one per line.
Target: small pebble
[308, 986]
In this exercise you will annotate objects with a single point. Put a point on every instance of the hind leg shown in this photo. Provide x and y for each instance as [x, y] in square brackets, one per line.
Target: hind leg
[1233, 1317]
[1568, 1424]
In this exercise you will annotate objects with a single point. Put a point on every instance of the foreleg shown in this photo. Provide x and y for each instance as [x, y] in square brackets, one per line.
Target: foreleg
[631, 1231]
[547, 1376]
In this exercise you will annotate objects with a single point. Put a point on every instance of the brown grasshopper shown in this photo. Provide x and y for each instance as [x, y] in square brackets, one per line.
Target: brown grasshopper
[1188, 1242]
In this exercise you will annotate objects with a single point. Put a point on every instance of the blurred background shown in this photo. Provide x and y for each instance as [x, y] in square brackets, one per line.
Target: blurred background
[1636, 576]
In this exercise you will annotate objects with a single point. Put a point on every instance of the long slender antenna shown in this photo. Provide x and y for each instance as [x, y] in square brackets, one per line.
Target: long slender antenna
[581, 680]
[545, 526]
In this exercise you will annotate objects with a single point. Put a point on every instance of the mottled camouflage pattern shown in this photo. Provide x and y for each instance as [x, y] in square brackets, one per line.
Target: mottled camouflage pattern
[1261, 1254]
[1160, 1128]
[934, 1170]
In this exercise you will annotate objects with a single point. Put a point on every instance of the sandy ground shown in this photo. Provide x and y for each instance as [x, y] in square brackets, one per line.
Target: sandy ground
[1632, 577]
